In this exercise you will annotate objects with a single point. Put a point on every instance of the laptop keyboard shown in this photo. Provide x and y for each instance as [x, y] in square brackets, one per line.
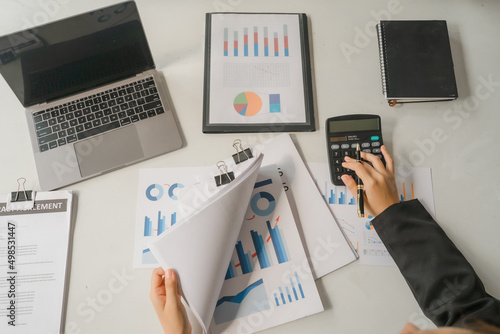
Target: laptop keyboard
[96, 114]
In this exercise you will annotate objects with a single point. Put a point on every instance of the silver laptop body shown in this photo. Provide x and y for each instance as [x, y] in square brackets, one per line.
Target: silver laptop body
[103, 108]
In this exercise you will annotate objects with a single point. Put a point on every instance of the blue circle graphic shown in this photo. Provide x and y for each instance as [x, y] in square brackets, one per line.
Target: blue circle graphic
[157, 197]
[263, 212]
[172, 188]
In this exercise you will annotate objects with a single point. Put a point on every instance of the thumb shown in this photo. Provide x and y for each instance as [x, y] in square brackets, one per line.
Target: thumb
[171, 288]
[350, 184]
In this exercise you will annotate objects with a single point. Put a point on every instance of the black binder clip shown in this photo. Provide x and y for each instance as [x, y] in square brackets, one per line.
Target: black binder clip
[224, 177]
[241, 154]
[21, 195]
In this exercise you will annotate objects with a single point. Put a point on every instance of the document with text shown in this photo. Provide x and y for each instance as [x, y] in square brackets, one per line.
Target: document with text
[34, 264]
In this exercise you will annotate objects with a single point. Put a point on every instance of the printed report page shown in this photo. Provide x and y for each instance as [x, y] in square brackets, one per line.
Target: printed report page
[33, 260]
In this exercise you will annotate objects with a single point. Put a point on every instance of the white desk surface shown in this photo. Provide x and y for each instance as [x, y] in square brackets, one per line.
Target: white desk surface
[357, 298]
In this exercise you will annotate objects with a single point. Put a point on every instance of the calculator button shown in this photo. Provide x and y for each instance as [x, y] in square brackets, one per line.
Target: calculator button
[346, 153]
[337, 161]
[379, 156]
[336, 154]
[335, 147]
[365, 145]
[344, 146]
[354, 146]
[376, 151]
[338, 177]
[339, 170]
[373, 138]
[376, 144]
[367, 150]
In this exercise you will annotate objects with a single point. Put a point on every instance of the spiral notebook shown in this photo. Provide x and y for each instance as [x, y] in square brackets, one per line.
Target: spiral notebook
[416, 61]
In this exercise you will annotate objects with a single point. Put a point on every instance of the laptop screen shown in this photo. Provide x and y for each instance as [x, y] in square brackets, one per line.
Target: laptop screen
[76, 54]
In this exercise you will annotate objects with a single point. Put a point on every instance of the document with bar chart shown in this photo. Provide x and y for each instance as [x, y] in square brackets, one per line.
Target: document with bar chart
[157, 206]
[411, 183]
[268, 277]
[257, 73]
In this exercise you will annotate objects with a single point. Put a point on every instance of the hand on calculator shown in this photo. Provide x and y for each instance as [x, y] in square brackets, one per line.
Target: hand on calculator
[380, 187]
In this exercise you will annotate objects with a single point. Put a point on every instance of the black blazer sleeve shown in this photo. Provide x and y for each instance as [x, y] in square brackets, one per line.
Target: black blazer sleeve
[442, 281]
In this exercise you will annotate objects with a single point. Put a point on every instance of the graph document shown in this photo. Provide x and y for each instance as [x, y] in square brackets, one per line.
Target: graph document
[412, 183]
[256, 69]
[268, 277]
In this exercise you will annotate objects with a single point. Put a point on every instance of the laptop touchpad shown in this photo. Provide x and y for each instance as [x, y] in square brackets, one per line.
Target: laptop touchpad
[108, 151]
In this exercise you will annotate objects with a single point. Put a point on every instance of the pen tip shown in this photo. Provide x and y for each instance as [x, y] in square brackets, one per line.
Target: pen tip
[358, 148]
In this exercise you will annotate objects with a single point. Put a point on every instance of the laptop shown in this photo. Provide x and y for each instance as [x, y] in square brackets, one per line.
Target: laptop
[94, 100]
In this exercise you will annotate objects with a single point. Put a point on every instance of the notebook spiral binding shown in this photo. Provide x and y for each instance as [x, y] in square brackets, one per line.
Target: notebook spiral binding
[381, 47]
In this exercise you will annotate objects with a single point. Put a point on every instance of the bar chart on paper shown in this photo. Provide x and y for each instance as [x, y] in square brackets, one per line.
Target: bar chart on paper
[265, 253]
[158, 194]
[335, 194]
[289, 293]
[161, 224]
[256, 41]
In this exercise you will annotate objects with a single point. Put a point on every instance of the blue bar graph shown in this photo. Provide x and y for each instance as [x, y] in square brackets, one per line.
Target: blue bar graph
[279, 247]
[300, 285]
[246, 265]
[148, 227]
[337, 194]
[282, 297]
[161, 223]
[230, 271]
[279, 295]
[293, 289]
[260, 250]
[263, 251]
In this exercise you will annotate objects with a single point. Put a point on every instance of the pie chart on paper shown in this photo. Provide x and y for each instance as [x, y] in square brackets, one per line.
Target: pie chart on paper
[247, 103]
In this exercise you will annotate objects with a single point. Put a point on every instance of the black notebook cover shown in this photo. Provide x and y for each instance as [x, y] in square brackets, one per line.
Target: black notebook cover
[416, 61]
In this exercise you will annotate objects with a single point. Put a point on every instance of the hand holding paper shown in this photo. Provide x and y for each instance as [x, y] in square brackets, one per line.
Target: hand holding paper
[166, 299]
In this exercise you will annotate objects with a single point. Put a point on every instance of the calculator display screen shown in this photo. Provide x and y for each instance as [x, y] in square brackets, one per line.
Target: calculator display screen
[334, 139]
[354, 125]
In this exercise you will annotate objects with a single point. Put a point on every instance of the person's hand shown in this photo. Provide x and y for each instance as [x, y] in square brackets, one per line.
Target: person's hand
[166, 300]
[380, 190]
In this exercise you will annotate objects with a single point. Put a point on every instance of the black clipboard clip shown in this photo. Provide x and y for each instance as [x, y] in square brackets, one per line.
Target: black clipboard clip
[241, 154]
[224, 176]
[21, 199]
[21, 195]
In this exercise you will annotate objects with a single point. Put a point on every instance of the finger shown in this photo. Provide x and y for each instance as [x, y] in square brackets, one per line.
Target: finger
[389, 163]
[376, 162]
[350, 184]
[157, 287]
[363, 170]
[157, 278]
[171, 289]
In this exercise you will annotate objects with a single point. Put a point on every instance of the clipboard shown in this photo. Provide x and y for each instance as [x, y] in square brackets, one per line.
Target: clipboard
[257, 73]
[36, 230]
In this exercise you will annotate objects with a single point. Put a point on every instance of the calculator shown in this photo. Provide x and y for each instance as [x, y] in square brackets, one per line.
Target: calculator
[343, 133]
